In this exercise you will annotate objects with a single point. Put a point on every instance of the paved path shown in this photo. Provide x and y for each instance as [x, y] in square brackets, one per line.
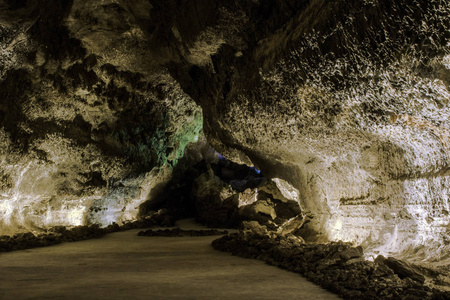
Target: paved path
[125, 266]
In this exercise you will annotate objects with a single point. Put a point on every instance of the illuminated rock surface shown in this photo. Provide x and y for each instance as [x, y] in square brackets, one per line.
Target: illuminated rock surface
[345, 100]
[348, 101]
[336, 266]
[86, 132]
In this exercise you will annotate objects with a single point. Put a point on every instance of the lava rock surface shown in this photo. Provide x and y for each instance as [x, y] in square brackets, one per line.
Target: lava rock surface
[336, 266]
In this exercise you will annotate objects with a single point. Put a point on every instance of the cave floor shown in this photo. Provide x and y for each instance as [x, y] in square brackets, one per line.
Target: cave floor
[125, 266]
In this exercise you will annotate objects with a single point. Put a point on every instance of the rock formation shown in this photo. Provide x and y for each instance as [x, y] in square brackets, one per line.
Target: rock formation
[91, 122]
[344, 101]
[336, 266]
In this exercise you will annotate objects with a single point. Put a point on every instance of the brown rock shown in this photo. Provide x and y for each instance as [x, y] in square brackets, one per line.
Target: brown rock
[403, 269]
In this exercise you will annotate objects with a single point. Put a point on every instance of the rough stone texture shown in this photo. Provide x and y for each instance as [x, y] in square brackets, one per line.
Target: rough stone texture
[401, 268]
[345, 100]
[55, 235]
[274, 203]
[338, 267]
[91, 122]
[215, 201]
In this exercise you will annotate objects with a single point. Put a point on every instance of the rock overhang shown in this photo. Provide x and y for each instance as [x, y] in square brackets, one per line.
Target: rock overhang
[346, 101]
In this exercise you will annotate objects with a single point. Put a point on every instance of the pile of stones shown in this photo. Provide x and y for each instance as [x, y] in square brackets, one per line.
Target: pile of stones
[336, 266]
[55, 235]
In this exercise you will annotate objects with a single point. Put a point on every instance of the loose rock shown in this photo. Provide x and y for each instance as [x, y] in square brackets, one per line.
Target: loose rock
[336, 266]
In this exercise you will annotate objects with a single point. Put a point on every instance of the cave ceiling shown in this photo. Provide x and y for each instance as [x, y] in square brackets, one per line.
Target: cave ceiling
[348, 101]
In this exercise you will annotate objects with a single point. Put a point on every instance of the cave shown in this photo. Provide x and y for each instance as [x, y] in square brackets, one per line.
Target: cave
[310, 135]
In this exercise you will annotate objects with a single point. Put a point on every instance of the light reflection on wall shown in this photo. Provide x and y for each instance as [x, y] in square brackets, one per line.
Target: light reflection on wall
[31, 203]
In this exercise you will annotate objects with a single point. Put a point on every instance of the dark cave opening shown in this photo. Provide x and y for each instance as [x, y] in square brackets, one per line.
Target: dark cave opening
[179, 198]
[239, 176]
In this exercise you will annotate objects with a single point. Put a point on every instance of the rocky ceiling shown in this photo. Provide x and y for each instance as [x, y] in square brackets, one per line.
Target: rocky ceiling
[348, 101]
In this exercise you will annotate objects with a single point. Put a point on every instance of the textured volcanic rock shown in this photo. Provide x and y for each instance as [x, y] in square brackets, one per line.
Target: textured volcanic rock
[55, 235]
[60, 234]
[91, 122]
[401, 268]
[338, 267]
[274, 202]
[345, 100]
[348, 101]
[216, 204]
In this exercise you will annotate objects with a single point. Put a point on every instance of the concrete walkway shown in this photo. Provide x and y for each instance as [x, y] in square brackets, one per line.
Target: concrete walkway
[125, 266]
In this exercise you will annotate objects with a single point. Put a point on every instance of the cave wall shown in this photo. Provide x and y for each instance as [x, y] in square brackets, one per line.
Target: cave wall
[346, 100]
[90, 120]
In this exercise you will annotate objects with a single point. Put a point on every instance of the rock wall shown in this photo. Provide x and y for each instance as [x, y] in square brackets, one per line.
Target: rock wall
[345, 100]
[90, 120]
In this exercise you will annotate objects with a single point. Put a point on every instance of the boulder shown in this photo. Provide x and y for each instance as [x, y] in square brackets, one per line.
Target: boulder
[403, 269]
[216, 203]
[291, 225]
